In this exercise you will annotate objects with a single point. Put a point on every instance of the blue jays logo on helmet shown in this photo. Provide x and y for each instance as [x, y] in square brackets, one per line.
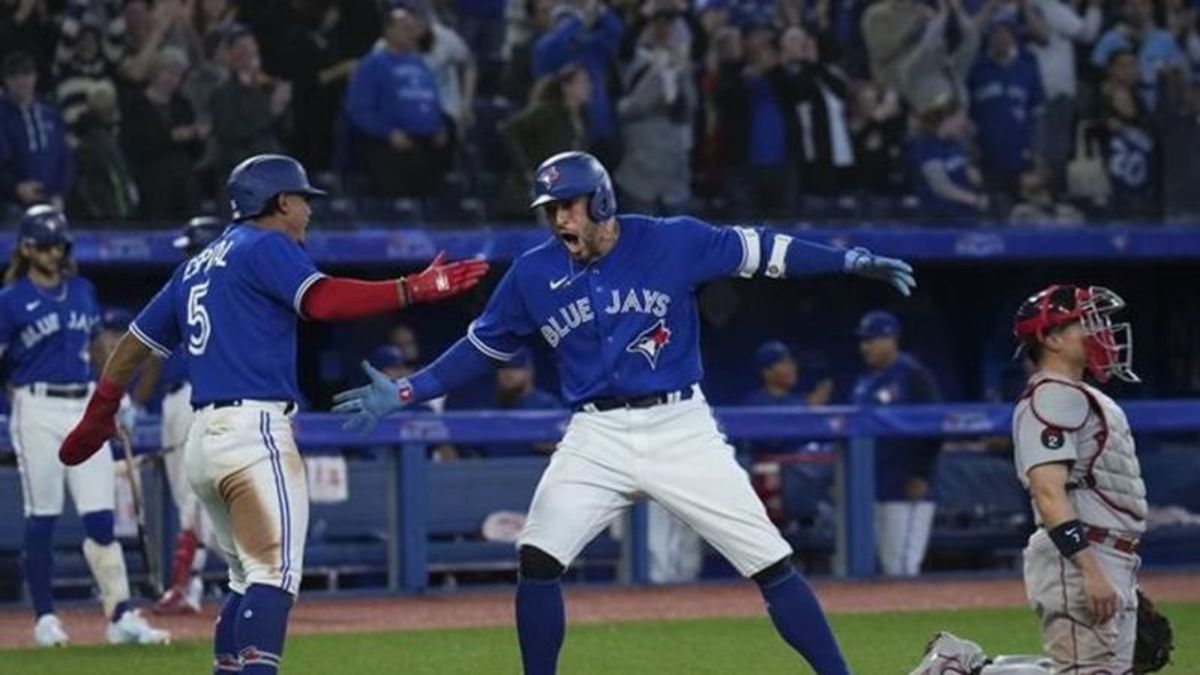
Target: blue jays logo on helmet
[651, 342]
[43, 224]
[569, 175]
[255, 181]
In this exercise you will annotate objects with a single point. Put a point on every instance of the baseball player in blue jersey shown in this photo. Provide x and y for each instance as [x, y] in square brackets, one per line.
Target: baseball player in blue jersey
[233, 309]
[49, 318]
[195, 532]
[614, 298]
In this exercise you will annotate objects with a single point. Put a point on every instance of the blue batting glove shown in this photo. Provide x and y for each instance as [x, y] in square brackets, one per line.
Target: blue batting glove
[371, 403]
[896, 272]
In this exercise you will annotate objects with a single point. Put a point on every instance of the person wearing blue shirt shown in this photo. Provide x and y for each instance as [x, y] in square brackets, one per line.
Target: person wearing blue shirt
[779, 376]
[393, 101]
[903, 468]
[947, 184]
[49, 324]
[516, 389]
[613, 297]
[1006, 104]
[1154, 47]
[589, 35]
[36, 165]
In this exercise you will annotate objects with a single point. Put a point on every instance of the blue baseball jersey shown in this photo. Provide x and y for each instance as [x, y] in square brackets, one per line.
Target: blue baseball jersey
[47, 332]
[233, 310]
[952, 156]
[899, 459]
[626, 324]
[1004, 102]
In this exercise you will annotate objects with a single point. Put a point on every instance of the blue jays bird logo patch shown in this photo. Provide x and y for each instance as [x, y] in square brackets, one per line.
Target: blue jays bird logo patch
[548, 177]
[651, 342]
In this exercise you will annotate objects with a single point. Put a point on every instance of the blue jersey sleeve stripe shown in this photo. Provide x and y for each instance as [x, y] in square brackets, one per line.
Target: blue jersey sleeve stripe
[489, 351]
[298, 300]
[148, 341]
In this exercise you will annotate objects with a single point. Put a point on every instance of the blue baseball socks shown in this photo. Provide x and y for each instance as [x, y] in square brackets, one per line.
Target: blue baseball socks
[797, 616]
[541, 624]
[225, 646]
[261, 628]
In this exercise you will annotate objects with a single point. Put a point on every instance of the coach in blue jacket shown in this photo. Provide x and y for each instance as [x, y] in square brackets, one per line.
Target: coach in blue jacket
[35, 161]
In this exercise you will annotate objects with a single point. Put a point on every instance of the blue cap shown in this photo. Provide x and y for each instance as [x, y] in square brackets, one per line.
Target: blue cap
[116, 319]
[387, 356]
[568, 175]
[771, 353]
[711, 5]
[522, 358]
[878, 324]
[255, 181]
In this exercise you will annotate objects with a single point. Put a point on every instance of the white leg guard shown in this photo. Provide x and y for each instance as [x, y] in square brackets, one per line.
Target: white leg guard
[107, 564]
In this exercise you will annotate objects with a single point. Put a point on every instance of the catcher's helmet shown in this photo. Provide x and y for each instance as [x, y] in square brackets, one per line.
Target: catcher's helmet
[44, 225]
[198, 233]
[255, 181]
[1109, 347]
[568, 175]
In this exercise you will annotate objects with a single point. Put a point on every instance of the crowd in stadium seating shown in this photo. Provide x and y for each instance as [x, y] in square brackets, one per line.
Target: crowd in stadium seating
[1029, 110]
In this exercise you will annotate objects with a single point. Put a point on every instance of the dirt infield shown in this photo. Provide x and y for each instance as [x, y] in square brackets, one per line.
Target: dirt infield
[591, 604]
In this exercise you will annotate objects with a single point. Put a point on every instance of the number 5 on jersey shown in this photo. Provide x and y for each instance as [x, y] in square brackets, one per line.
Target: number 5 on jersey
[197, 318]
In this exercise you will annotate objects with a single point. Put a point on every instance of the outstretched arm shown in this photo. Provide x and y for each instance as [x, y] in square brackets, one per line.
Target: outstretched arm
[339, 299]
[457, 366]
[99, 419]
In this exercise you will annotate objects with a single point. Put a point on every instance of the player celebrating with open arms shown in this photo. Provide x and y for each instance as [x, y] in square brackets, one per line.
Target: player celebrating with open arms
[614, 298]
[234, 307]
[48, 319]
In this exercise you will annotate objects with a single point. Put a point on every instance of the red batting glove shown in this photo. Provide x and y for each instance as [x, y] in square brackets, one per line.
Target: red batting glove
[440, 281]
[99, 424]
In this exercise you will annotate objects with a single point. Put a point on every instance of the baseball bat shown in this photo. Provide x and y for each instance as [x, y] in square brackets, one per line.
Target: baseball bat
[154, 578]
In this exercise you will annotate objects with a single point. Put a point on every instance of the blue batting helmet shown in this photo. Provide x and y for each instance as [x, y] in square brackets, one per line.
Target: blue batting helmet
[255, 181]
[43, 225]
[568, 175]
[198, 233]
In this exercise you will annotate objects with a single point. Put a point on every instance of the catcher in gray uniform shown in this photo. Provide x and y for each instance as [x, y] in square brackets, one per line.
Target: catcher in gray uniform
[1075, 454]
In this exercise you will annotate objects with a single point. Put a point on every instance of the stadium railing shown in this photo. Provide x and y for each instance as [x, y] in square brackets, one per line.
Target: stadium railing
[408, 435]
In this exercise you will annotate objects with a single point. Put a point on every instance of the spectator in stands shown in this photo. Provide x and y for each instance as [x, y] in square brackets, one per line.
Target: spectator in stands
[947, 183]
[528, 21]
[77, 77]
[28, 26]
[393, 100]
[910, 48]
[35, 161]
[553, 122]
[879, 127]
[903, 467]
[766, 182]
[451, 61]
[587, 32]
[726, 132]
[1127, 136]
[481, 25]
[1183, 22]
[249, 110]
[655, 115]
[107, 14]
[1038, 206]
[167, 142]
[1153, 48]
[1006, 104]
[821, 91]
[1179, 126]
[1065, 28]
[322, 59]
[105, 188]
[212, 17]
[146, 31]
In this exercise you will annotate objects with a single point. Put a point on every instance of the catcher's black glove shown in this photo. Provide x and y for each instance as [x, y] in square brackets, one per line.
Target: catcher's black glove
[1155, 639]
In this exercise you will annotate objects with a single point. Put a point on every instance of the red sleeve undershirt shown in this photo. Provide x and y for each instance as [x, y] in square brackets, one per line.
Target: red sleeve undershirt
[336, 299]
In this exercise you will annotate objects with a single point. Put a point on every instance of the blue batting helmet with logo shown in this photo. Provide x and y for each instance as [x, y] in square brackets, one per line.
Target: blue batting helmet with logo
[569, 175]
[43, 225]
[198, 233]
[255, 181]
